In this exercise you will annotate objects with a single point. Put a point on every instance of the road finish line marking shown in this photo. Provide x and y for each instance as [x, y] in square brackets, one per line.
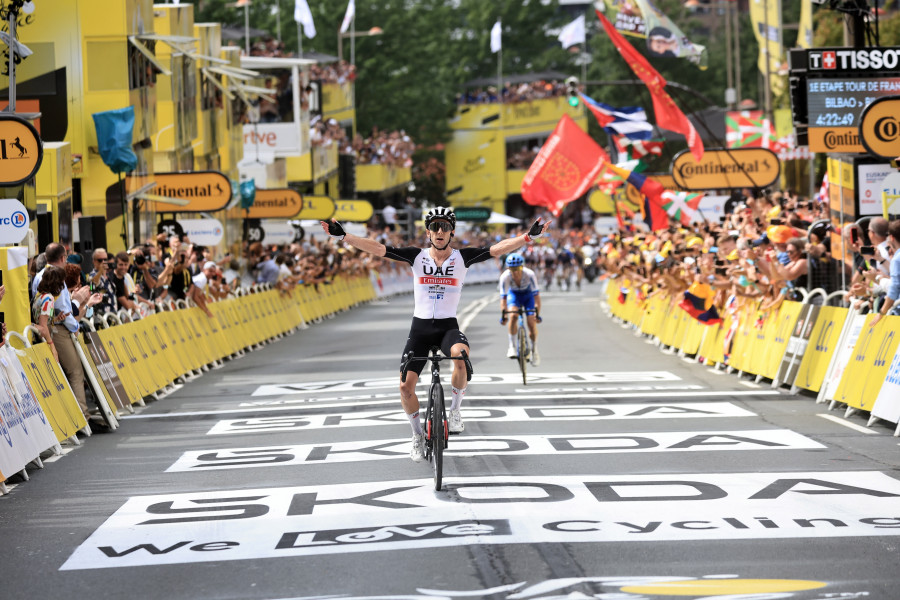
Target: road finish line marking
[252, 524]
[396, 400]
[503, 414]
[511, 445]
[359, 385]
[847, 423]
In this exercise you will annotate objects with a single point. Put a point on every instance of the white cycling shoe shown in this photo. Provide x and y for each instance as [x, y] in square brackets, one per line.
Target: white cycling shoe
[511, 352]
[535, 357]
[456, 422]
[417, 453]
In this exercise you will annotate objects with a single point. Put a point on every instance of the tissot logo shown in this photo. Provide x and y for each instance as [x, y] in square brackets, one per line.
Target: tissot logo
[874, 59]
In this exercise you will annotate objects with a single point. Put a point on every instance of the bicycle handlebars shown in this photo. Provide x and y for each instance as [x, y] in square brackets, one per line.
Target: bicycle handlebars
[434, 358]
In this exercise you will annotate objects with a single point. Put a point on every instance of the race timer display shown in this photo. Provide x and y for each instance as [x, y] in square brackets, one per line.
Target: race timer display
[840, 102]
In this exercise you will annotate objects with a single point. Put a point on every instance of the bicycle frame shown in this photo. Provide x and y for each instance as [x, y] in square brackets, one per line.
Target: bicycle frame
[437, 434]
[523, 340]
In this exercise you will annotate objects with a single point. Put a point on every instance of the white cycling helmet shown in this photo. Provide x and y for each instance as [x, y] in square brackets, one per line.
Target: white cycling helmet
[441, 212]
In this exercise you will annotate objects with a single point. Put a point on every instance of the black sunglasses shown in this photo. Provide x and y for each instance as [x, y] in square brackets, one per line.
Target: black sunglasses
[440, 226]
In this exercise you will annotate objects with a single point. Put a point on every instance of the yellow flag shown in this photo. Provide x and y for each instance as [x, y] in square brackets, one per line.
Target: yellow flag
[805, 29]
[15, 306]
[765, 15]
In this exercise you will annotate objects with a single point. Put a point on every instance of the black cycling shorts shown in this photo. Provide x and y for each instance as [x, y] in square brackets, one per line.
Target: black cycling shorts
[426, 333]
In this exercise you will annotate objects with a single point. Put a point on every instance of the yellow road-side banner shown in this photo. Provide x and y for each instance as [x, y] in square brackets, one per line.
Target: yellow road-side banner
[781, 334]
[869, 364]
[15, 306]
[822, 345]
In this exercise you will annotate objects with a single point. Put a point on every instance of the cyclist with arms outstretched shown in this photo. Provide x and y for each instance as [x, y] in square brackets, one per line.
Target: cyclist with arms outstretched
[519, 289]
[439, 272]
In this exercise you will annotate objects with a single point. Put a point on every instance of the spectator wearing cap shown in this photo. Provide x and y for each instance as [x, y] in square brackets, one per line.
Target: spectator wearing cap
[209, 281]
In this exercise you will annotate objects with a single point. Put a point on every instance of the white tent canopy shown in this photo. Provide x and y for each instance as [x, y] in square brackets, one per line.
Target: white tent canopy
[499, 218]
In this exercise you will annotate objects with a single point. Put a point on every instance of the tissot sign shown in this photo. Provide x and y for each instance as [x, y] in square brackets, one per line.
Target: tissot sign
[848, 59]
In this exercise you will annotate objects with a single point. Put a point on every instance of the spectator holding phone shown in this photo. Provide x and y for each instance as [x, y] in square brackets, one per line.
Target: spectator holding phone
[126, 289]
[100, 281]
[893, 292]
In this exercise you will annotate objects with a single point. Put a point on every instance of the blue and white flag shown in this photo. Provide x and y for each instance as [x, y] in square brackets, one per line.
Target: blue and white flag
[630, 121]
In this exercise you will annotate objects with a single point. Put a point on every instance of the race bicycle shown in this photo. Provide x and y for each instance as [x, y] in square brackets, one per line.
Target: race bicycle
[523, 341]
[437, 433]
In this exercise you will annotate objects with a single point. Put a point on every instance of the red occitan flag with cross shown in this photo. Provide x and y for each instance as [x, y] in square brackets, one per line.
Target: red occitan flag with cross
[566, 166]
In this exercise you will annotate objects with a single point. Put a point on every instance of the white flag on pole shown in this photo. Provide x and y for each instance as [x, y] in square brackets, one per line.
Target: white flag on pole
[303, 16]
[573, 33]
[496, 43]
[349, 16]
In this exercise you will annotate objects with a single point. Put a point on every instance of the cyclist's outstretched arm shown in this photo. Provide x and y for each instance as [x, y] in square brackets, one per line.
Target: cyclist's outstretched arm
[335, 230]
[514, 243]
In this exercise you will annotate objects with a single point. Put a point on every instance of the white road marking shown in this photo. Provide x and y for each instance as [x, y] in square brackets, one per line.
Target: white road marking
[405, 515]
[395, 416]
[847, 423]
[511, 445]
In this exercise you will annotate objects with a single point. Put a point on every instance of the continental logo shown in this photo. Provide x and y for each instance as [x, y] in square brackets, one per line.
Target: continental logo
[726, 168]
[834, 140]
[879, 127]
[276, 203]
[205, 191]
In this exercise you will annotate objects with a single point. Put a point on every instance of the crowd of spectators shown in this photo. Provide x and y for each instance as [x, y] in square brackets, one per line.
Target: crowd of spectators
[769, 248]
[522, 92]
[521, 158]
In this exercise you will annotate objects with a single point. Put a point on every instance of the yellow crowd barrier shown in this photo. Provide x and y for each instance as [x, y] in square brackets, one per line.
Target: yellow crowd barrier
[765, 342]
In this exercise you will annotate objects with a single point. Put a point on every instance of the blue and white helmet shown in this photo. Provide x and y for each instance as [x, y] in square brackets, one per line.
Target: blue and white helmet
[515, 260]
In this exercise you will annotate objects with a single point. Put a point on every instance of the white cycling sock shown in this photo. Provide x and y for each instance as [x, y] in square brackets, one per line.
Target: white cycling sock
[512, 340]
[415, 423]
[456, 397]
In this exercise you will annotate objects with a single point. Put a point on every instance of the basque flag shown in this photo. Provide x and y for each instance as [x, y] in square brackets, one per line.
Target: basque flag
[630, 121]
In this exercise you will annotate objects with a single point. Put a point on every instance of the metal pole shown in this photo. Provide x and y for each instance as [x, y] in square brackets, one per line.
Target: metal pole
[340, 45]
[278, 19]
[12, 61]
[353, 41]
[300, 40]
[247, 28]
[729, 66]
[737, 53]
[767, 87]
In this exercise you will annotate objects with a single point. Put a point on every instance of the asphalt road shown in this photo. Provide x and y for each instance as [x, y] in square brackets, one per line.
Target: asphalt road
[618, 472]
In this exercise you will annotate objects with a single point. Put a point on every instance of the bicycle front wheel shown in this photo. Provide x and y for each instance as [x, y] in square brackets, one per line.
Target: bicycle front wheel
[438, 441]
[523, 353]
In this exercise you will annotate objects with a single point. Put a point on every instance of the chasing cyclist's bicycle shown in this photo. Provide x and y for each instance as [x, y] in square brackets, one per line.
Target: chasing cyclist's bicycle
[523, 341]
[437, 434]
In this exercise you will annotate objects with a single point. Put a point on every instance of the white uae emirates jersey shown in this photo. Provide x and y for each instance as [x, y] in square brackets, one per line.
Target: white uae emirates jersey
[437, 289]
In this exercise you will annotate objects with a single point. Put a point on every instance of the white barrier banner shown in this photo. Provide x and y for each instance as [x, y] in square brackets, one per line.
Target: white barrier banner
[887, 405]
[35, 422]
[844, 354]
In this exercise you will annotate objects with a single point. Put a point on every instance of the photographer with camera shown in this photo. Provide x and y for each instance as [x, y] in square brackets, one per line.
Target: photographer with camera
[144, 272]
[100, 281]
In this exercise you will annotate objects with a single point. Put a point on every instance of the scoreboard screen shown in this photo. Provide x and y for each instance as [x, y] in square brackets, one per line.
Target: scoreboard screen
[840, 102]
[834, 108]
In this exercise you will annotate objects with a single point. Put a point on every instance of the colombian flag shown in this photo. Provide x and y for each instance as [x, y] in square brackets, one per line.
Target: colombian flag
[698, 303]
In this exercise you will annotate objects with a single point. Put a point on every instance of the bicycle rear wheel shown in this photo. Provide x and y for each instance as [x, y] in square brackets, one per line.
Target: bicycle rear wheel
[523, 353]
[436, 427]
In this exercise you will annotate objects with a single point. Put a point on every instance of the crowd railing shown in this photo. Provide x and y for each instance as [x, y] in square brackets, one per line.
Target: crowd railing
[130, 358]
[831, 353]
